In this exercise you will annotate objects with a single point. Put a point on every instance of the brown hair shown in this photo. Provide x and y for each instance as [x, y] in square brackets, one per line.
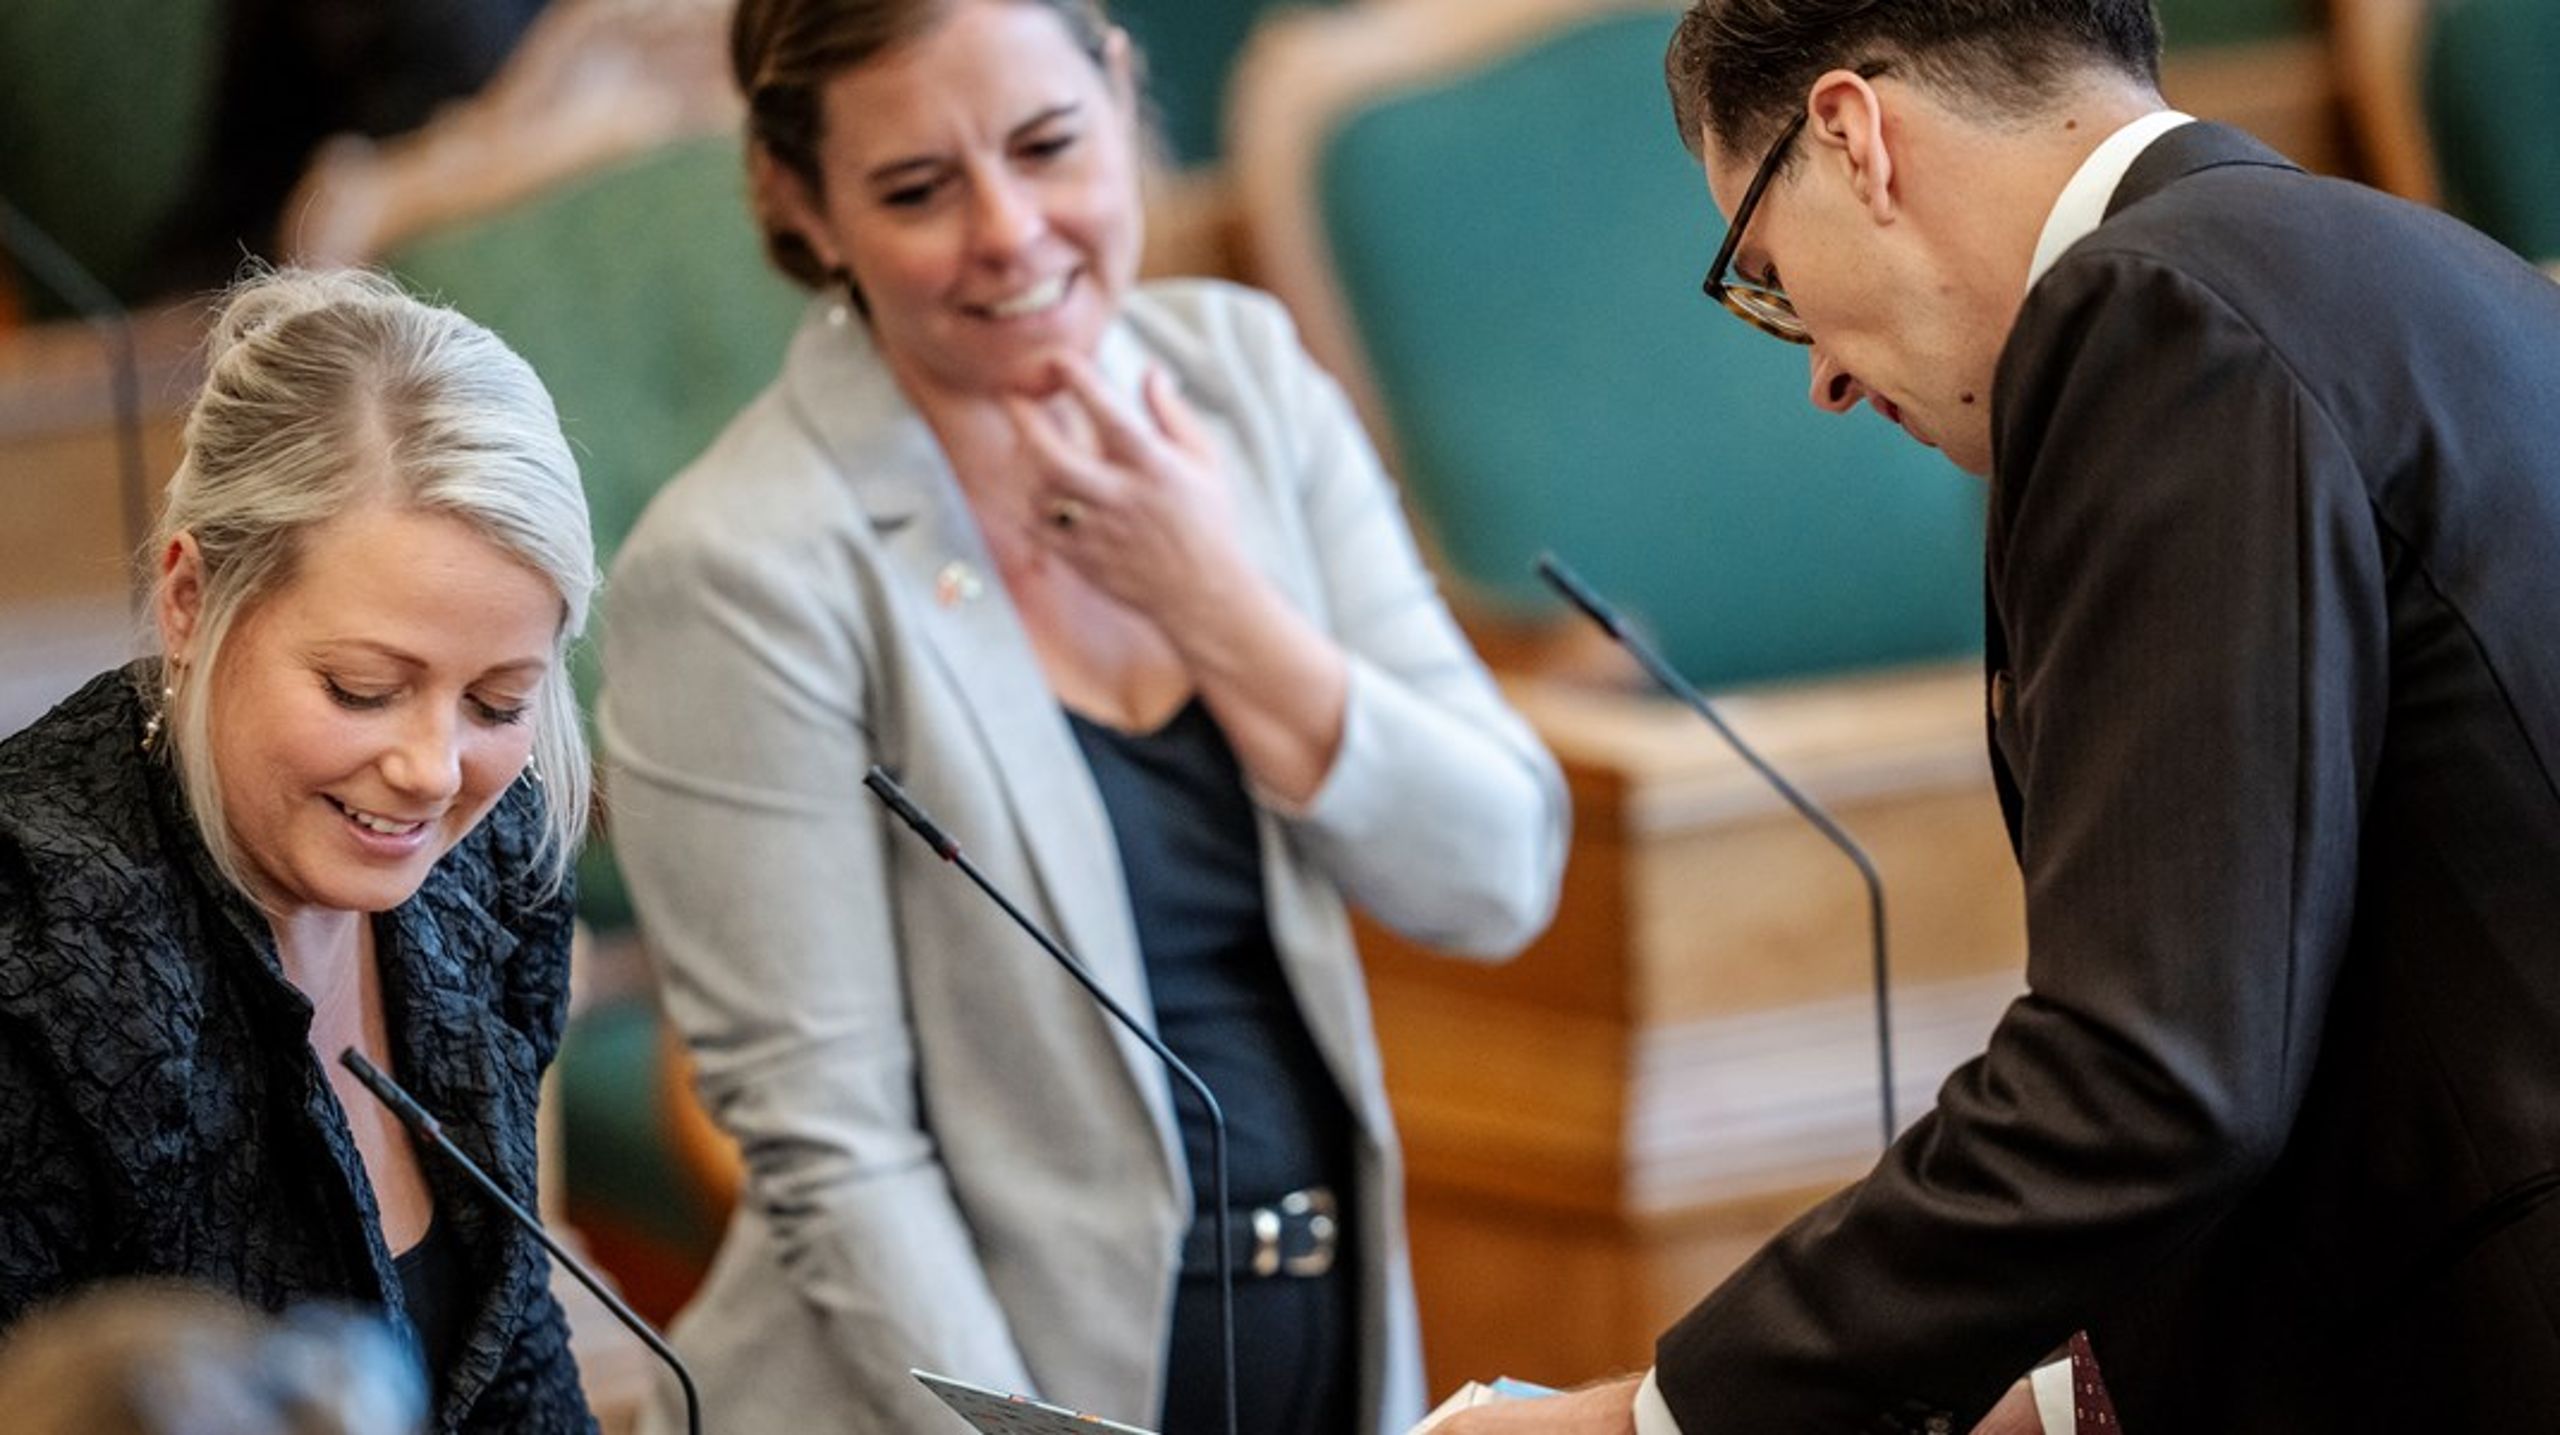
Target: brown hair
[1739, 68]
[784, 52]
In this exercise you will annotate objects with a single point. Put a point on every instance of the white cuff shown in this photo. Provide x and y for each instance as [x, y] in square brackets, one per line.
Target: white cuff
[2054, 1403]
[1652, 1416]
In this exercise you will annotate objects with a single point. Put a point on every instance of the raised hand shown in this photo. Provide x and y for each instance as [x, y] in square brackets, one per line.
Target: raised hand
[1138, 503]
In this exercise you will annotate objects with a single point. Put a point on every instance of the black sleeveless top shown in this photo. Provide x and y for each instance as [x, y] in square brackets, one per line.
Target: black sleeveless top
[435, 1292]
[1192, 859]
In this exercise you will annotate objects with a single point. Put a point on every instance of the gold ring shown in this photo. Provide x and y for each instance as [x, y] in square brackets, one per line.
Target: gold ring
[1066, 513]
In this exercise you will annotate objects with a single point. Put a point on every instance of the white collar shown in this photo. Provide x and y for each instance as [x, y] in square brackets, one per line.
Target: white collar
[2084, 200]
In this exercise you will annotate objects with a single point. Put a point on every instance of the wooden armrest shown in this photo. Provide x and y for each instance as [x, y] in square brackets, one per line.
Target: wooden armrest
[2378, 52]
[704, 1154]
[594, 81]
[1642, 762]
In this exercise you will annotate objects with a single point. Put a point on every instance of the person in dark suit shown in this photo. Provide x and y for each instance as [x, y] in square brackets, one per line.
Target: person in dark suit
[2274, 651]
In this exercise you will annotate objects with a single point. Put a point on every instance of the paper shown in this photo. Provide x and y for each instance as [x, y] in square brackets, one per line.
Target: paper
[1473, 1394]
[996, 1413]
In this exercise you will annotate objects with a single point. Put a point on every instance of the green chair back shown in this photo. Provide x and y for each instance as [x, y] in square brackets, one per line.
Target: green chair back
[641, 296]
[104, 108]
[1190, 48]
[2492, 85]
[1519, 248]
[2200, 24]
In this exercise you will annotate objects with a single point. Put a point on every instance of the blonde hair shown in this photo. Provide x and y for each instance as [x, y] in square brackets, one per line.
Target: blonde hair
[155, 1357]
[325, 389]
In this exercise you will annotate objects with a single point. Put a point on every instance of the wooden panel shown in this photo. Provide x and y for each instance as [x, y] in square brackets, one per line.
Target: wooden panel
[1530, 1295]
[1601, 1130]
[66, 572]
[61, 480]
[2283, 91]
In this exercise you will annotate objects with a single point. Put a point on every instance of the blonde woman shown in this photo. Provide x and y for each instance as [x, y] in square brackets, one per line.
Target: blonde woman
[335, 811]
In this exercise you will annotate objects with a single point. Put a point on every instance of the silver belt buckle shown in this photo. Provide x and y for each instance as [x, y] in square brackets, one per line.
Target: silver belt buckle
[1266, 1241]
[1323, 1231]
[1313, 1209]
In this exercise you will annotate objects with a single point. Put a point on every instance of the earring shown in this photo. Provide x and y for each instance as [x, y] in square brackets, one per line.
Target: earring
[159, 715]
[533, 770]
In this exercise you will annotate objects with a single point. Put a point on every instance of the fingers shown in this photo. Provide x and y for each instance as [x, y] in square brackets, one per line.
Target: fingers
[1065, 463]
[1094, 453]
[1121, 435]
[1124, 437]
[1174, 416]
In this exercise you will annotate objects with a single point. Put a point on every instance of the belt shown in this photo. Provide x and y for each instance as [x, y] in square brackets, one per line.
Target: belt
[1296, 1235]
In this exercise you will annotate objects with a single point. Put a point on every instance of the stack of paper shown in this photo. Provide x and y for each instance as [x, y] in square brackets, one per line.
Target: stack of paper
[1473, 1394]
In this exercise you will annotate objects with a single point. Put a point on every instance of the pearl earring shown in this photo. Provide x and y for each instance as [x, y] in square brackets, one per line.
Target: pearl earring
[159, 715]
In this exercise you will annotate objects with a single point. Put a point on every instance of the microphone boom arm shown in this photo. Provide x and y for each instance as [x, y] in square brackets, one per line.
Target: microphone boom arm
[895, 798]
[1590, 604]
[426, 1128]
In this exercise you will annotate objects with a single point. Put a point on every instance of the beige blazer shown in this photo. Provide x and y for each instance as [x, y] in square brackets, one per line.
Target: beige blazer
[955, 1161]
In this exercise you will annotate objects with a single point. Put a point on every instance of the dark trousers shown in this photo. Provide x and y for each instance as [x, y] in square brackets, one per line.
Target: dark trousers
[1297, 1356]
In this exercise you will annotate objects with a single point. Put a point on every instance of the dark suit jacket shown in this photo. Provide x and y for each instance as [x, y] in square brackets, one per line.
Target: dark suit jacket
[2274, 582]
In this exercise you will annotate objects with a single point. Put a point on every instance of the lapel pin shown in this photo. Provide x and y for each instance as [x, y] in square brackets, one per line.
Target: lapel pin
[956, 584]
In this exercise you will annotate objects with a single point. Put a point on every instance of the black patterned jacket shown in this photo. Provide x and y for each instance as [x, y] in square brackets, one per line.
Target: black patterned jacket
[162, 1111]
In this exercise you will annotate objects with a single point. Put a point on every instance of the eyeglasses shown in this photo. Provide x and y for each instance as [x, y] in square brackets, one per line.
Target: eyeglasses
[1764, 307]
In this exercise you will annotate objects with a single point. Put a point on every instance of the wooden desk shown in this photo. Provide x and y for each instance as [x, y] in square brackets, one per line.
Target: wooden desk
[1601, 1130]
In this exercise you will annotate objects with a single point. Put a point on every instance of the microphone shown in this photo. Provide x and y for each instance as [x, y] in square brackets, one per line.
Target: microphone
[1570, 585]
[426, 1128]
[895, 798]
[48, 261]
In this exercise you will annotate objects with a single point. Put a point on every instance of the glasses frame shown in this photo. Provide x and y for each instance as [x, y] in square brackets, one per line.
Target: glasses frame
[1765, 307]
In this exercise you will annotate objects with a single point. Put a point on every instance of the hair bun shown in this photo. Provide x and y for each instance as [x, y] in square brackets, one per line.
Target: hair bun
[266, 298]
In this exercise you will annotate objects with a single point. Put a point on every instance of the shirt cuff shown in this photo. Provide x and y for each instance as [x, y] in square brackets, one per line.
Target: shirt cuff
[1652, 1416]
[2054, 1404]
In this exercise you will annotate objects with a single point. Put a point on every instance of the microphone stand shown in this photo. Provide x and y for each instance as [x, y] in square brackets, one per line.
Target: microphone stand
[1592, 606]
[75, 285]
[431, 1131]
[895, 798]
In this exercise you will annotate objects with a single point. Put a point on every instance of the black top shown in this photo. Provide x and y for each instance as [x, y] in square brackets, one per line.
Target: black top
[162, 1112]
[1193, 862]
[435, 1293]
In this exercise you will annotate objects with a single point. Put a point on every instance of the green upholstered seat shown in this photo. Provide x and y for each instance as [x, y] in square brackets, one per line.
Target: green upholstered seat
[2492, 94]
[2203, 23]
[641, 296]
[1190, 48]
[104, 106]
[1519, 247]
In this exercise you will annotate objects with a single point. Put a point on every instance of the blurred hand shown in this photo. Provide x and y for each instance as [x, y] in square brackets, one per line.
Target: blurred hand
[1598, 1410]
[1136, 503]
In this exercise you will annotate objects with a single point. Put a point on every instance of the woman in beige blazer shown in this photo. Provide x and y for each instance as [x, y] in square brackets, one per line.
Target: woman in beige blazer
[1017, 528]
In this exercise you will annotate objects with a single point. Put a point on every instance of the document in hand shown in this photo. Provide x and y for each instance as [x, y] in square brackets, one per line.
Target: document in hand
[995, 1413]
[1473, 1394]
